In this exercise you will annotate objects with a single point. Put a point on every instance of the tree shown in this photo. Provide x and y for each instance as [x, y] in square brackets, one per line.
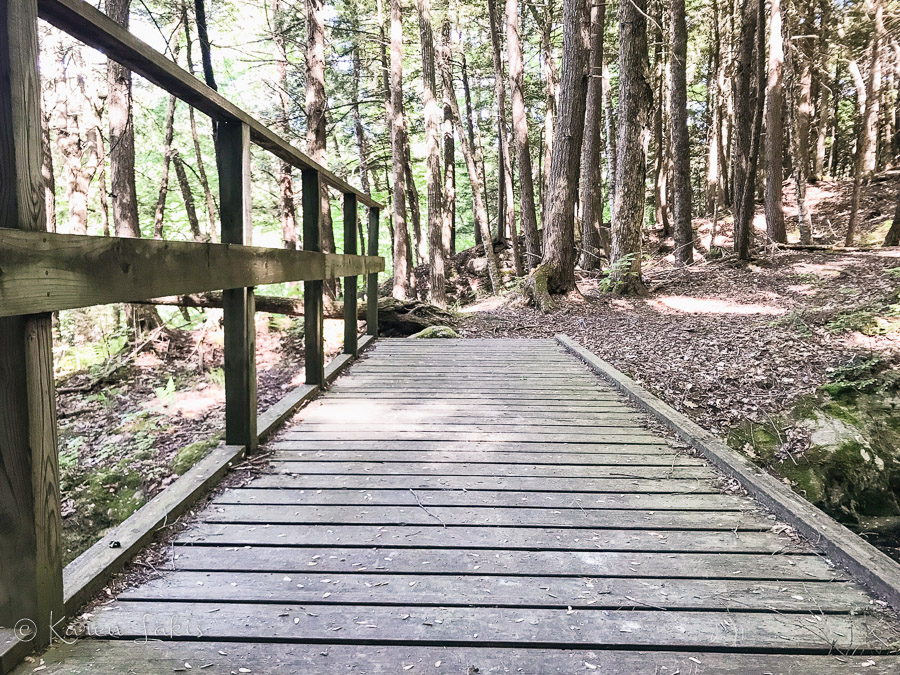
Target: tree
[775, 228]
[433, 177]
[748, 123]
[316, 130]
[631, 162]
[398, 152]
[556, 273]
[449, 227]
[286, 171]
[520, 136]
[681, 151]
[591, 179]
[867, 144]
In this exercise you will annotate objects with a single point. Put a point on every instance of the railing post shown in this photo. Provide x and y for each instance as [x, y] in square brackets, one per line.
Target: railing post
[239, 307]
[312, 290]
[372, 281]
[31, 592]
[351, 345]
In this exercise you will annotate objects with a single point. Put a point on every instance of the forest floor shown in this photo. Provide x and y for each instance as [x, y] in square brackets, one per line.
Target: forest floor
[738, 348]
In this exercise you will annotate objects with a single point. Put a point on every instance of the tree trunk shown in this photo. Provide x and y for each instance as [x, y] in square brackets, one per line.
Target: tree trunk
[681, 153]
[556, 273]
[448, 231]
[660, 127]
[868, 133]
[507, 215]
[362, 144]
[745, 104]
[201, 168]
[635, 96]
[551, 82]
[609, 120]
[433, 177]
[398, 135]
[159, 215]
[591, 178]
[121, 158]
[800, 178]
[286, 171]
[520, 135]
[714, 95]
[474, 139]
[186, 196]
[413, 202]
[775, 228]
[824, 92]
[480, 213]
[47, 173]
[205, 51]
[316, 129]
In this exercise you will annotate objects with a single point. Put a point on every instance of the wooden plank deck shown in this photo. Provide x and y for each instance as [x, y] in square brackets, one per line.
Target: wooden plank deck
[484, 506]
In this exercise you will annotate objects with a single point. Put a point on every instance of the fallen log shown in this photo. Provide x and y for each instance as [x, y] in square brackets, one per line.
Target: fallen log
[396, 318]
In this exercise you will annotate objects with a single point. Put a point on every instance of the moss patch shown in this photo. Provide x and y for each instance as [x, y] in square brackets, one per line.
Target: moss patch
[191, 454]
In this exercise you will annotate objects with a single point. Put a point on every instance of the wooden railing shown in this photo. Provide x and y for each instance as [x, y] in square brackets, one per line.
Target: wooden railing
[42, 272]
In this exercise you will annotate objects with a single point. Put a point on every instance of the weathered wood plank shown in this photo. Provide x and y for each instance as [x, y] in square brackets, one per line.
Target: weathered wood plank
[601, 519]
[88, 657]
[238, 305]
[372, 278]
[30, 526]
[351, 282]
[505, 591]
[535, 483]
[474, 625]
[313, 321]
[525, 438]
[556, 500]
[473, 446]
[44, 272]
[95, 29]
[286, 452]
[408, 468]
[468, 538]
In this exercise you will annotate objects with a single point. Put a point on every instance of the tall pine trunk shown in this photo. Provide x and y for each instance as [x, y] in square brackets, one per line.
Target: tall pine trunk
[433, 177]
[286, 171]
[681, 152]
[449, 226]
[775, 228]
[635, 95]
[591, 178]
[520, 136]
[398, 154]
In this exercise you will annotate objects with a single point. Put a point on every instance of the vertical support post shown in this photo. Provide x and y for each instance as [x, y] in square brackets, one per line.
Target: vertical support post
[238, 304]
[372, 281]
[313, 321]
[351, 345]
[31, 593]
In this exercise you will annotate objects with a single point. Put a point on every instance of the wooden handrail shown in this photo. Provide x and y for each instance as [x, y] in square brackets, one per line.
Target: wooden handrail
[47, 272]
[95, 29]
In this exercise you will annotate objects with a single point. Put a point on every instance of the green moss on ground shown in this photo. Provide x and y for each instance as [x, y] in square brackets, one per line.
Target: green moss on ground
[850, 467]
[191, 454]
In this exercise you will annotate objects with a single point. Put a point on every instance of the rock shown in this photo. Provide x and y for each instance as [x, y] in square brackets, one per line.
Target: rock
[435, 332]
[477, 265]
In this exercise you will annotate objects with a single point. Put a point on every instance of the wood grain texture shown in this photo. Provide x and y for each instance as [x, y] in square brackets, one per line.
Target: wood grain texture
[350, 283]
[30, 550]
[372, 277]
[44, 272]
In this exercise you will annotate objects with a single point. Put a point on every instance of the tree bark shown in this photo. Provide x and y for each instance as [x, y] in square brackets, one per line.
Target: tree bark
[591, 178]
[867, 144]
[681, 154]
[47, 173]
[480, 212]
[551, 83]
[159, 215]
[556, 273]
[775, 228]
[892, 238]
[507, 214]
[433, 177]
[286, 203]
[187, 196]
[205, 50]
[474, 139]
[804, 224]
[635, 95]
[520, 135]
[316, 129]
[745, 136]
[398, 135]
[448, 229]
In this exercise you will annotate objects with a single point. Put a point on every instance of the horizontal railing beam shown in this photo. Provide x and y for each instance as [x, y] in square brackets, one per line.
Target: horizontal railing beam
[92, 27]
[47, 272]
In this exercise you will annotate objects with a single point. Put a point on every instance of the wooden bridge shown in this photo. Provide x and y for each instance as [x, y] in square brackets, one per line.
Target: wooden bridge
[465, 506]
[484, 506]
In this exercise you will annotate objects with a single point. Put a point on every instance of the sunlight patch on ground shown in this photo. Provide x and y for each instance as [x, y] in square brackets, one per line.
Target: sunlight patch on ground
[196, 403]
[819, 270]
[486, 305]
[689, 305]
